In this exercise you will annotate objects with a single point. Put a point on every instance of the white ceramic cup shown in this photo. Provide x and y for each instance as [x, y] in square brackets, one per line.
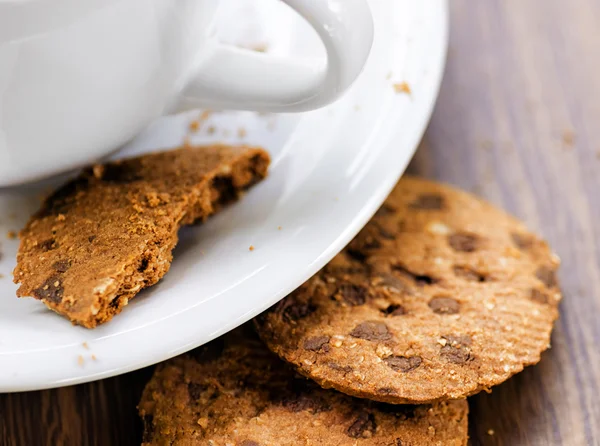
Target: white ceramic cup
[79, 78]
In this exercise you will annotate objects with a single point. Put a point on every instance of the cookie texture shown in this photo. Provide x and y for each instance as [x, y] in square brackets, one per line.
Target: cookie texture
[235, 392]
[109, 233]
[440, 296]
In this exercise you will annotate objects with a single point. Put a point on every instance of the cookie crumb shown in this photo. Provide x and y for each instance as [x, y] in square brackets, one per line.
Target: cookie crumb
[490, 432]
[211, 130]
[568, 138]
[94, 357]
[251, 248]
[279, 228]
[260, 48]
[86, 346]
[402, 87]
[196, 124]
[187, 143]
[12, 235]
[1, 276]
[242, 132]
[80, 360]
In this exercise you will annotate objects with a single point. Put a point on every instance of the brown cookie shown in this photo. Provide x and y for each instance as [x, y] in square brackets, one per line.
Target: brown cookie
[440, 296]
[235, 392]
[104, 236]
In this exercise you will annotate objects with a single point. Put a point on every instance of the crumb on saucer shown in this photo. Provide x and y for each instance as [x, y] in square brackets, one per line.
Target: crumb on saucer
[402, 87]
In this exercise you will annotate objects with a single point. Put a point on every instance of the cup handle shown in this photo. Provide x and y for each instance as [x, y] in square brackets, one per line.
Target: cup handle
[241, 79]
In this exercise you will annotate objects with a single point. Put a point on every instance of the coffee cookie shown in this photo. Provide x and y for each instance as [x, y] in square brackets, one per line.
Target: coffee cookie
[104, 236]
[440, 296]
[235, 392]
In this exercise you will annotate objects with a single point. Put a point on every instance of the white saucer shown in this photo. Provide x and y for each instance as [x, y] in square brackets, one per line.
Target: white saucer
[331, 170]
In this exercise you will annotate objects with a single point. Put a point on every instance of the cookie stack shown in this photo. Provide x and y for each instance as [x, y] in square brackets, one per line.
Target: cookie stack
[439, 297]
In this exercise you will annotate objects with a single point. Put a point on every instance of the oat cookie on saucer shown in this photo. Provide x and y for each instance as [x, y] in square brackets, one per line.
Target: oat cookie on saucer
[101, 238]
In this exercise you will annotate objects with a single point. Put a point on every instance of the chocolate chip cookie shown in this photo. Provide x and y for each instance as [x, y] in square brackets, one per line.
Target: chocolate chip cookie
[235, 392]
[109, 233]
[440, 296]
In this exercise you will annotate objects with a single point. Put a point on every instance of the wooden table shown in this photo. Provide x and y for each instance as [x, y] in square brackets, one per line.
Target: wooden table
[518, 122]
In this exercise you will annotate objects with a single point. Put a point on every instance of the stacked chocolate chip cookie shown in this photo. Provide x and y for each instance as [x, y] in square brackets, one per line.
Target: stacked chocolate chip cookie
[439, 297]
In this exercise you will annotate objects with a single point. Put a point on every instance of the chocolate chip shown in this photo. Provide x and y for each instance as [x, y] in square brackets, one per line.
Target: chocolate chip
[209, 352]
[463, 242]
[522, 241]
[301, 403]
[398, 442]
[352, 294]
[356, 255]
[317, 343]
[429, 202]
[419, 279]
[384, 233]
[248, 443]
[385, 209]
[120, 173]
[372, 331]
[91, 238]
[394, 310]
[368, 243]
[61, 266]
[293, 310]
[457, 349]
[48, 245]
[547, 276]
[143, 264]
[444, 305]
[225, 188]
[386, 391]
[148, 434]
[539, 296]
[363, 427]
[195, 391]
[339, 368]
[60, 201]
[391, 282]
[467, 273]
[51, 290]
[402, 363]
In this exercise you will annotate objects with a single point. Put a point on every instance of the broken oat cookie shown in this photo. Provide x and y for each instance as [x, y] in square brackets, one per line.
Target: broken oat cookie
[440, 296]
[110, 232]
[234, 391]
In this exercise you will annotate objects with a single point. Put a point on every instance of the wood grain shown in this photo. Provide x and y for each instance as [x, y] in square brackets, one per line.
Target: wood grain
[518, 122]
